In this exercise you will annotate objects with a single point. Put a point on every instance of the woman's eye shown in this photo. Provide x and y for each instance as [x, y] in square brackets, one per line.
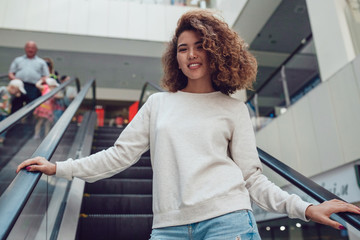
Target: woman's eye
[182, 49]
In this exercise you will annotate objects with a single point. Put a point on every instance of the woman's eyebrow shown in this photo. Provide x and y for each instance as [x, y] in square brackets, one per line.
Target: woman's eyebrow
[184, 44]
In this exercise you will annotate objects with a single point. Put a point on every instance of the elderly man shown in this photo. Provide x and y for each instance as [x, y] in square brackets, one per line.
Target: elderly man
[29, 68]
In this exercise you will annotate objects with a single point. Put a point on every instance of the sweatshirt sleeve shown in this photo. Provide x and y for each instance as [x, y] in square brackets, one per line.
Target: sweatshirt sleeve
[262, 191]
[127, 150]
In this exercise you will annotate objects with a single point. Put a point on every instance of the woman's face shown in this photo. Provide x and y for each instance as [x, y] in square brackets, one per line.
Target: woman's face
[192, 58]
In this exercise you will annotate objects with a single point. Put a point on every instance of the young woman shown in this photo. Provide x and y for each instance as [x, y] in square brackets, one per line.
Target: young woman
[203, 152]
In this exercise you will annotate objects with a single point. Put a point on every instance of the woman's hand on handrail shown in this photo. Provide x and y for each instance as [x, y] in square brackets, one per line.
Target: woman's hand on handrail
[38, 164]
[321, 213]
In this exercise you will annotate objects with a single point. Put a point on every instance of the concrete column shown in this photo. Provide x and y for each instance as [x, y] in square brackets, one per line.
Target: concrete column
[334, 47]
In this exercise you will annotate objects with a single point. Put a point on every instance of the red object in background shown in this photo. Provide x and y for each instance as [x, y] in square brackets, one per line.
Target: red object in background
[119, 121]
[100, 115]
[133, 110]
[79, 119]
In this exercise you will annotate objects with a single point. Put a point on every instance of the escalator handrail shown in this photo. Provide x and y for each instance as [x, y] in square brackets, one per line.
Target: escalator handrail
[13, 200]
[313, 189]
[143, 91]
[305, 184]
[17, 116]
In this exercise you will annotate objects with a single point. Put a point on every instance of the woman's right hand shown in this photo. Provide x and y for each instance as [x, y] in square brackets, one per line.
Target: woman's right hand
[38, 164]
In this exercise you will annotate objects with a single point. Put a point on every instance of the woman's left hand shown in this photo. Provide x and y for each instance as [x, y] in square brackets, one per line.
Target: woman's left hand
[321, 213]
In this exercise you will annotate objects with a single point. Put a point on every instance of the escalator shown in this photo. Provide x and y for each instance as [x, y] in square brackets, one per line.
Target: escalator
[120, 206]
[46, 193]
[37, 207]
[45, 200]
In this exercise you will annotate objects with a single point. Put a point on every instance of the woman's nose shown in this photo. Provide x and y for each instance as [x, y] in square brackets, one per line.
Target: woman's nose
[192, 54]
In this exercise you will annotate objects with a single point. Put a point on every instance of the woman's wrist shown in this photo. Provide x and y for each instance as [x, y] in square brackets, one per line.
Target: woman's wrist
[54, 169]
[308, 212]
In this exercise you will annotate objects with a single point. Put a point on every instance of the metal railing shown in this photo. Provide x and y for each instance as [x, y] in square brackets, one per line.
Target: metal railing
[17, 116]
[18, 192]
[270, 78]
[305, 184]
[155, 86]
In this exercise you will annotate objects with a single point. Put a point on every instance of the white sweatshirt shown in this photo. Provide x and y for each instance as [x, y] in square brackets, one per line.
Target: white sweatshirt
[204, 159]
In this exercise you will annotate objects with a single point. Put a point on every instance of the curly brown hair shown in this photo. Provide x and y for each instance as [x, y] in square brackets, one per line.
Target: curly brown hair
[232, 66]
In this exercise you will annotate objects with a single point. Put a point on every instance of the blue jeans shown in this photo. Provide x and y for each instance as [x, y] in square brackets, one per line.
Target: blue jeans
[238, 225]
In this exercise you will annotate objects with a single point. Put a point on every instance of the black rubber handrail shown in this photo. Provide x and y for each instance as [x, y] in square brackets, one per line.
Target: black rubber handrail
[17, 116]
[305, 184]
[18, 192]
[143, 91]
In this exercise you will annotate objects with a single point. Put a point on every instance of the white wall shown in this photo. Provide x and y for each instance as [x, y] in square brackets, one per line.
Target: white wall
[331, 35]
[115, 94]
[230, 9]
[321, 131]
[102, 18]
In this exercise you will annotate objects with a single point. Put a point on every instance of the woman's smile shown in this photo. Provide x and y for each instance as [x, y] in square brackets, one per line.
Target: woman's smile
[194, 65]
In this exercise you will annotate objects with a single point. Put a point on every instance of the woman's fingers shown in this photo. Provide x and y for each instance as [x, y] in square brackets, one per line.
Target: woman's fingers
[28, 162]
[321, 213]
[37, 164]
[47, 168]
[332, 223]
[337, 206]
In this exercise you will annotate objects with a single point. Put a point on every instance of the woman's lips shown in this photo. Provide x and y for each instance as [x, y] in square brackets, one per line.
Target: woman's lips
[194, 65]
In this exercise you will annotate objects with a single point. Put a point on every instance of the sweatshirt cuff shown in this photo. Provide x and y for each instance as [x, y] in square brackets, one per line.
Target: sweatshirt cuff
[64, 170]
[301, 210]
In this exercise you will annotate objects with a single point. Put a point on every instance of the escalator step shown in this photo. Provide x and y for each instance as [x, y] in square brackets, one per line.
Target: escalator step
[117, 204]
[115, 226]
[104, 142]
[144, 161]
[119, 207]
[120, 186]
[100, 135]
[136, 172]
